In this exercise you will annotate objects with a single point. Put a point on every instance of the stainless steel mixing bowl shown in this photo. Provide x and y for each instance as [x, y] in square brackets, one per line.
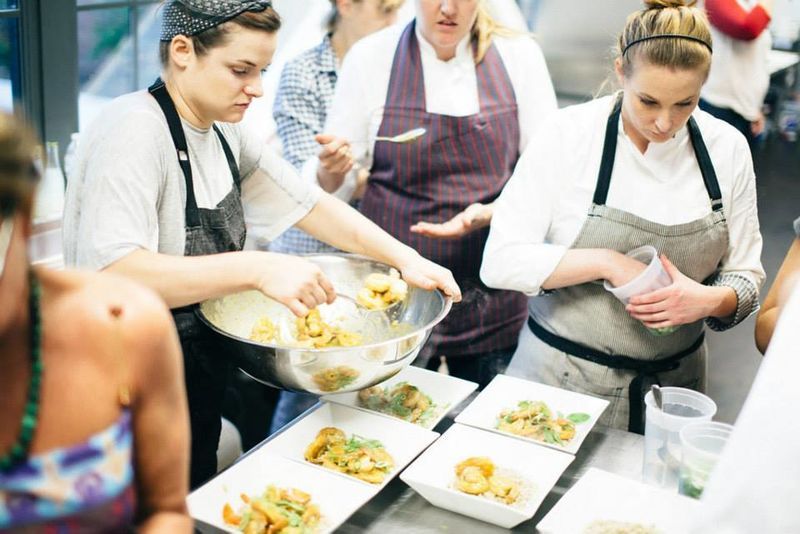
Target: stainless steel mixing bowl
[388, 348]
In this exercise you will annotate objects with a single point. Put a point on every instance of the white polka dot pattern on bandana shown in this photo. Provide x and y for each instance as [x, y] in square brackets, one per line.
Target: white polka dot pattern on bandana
[190, 17]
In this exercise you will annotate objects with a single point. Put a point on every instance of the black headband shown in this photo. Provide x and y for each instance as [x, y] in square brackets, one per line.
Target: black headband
[667, 36]
[201, 15]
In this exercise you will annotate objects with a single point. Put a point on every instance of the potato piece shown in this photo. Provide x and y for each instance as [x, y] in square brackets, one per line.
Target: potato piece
[481, 462]
[377, 282]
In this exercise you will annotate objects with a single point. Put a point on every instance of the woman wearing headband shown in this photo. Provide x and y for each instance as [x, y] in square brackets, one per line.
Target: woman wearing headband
[642, 167]
[93, 424]
[165, 182]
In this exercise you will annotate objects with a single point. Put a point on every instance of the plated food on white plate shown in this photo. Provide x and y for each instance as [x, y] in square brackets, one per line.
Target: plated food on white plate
[479, 475]
[605, 503]
[485, 475]
[414, 395]
[263, 492]
[363, 447]
[363, 458]
[542, 414]
[274, 511]
[620, 527]
[534, 419]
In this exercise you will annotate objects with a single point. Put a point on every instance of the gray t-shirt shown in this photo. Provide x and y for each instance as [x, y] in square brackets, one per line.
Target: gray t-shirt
[128, 191]
[797, 227]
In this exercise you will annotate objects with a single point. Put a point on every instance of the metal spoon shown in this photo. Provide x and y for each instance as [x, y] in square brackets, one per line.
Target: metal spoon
[406, 137]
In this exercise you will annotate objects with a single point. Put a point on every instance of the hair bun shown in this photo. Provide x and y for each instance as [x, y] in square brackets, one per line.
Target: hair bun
[663, 4]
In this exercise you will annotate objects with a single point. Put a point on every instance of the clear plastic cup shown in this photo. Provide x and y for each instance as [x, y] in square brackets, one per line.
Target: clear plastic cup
[653, 277]
[662, 444]
[701, 446]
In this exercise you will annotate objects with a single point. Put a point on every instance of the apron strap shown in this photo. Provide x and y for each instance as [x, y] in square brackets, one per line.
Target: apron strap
[610, 152]
[237, 179]
[706, 166]
[192, 212]
[609, 155]
[643, 368]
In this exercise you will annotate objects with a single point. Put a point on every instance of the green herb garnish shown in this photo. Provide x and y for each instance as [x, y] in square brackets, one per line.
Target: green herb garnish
[578, 417]
[357, 442]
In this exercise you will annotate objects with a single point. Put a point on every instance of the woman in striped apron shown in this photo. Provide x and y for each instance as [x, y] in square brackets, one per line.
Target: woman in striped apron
[643, 167]
[478, 91]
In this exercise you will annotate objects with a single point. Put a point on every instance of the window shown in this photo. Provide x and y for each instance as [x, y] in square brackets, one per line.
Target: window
[10, 82]
[117, 50]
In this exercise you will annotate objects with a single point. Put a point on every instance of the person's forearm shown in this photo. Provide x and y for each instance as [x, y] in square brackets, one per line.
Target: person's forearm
[579, 266]
[353, 232]
[162, 522]
[765, 326]
[722, 301]
[181, 281]
[328, 181]
[730, 18]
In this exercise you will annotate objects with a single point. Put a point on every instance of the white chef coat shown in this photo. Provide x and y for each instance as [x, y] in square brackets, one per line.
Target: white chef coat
[451, 88]
[753, 487]
[739, 76]
[545, 203]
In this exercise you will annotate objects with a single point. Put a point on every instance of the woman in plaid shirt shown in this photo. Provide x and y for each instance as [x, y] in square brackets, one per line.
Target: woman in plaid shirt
[306, 90]
[304, 96]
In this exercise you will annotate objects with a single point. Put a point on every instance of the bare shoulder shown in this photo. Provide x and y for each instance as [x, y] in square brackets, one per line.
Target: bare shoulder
[105, 305]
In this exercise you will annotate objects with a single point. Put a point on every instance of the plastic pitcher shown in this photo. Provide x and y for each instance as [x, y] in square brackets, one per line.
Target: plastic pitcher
[662, 444]
[701, 446]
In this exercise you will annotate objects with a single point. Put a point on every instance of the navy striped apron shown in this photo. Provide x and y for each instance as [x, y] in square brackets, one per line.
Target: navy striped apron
[460, 161]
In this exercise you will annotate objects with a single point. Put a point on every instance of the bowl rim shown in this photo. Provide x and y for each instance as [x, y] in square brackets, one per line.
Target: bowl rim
[447, 305]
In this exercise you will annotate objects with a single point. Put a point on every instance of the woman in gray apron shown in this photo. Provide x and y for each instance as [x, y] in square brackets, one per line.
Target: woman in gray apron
[167, 180]
[669, 176]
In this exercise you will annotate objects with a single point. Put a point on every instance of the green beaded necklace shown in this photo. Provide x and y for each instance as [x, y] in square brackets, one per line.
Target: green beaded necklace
[19, 451]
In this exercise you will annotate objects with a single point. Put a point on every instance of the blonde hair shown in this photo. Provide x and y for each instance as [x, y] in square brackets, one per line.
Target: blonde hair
[332, 21]
[484, 29]
[667, 33]
[18, 176]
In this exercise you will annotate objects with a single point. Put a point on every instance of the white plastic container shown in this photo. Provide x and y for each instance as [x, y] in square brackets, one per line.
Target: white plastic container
[662, 445]
[653, 277]
[701, 446]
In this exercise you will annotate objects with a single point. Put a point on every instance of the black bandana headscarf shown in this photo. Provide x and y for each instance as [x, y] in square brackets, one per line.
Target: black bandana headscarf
[200, 15]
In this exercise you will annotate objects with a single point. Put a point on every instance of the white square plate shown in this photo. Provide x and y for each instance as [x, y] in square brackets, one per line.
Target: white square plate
[432, 474]
[446, 391]
[337, 497]
[600, 495]
[401, 440]
[505, 392]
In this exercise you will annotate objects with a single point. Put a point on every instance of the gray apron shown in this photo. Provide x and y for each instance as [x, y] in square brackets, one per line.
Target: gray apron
[581, 338]
[208, 231]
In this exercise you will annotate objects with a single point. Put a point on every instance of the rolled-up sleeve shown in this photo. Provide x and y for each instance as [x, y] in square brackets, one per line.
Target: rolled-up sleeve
[517, 255]
[741, 269]
[274, 196]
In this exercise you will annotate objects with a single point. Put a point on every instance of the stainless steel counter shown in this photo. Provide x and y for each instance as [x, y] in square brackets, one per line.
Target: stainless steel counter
[397, 508]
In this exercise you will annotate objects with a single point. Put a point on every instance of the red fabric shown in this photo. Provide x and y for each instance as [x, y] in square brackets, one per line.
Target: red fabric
[460, 160]
[731, 19]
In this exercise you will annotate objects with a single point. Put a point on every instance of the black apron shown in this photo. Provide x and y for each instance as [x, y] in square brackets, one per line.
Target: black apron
[208, 231]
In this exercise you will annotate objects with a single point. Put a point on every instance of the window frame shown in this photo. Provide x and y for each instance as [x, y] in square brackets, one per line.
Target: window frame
[49, 91]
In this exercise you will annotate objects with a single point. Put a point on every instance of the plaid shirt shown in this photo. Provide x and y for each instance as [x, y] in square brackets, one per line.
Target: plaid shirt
[305, 93]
